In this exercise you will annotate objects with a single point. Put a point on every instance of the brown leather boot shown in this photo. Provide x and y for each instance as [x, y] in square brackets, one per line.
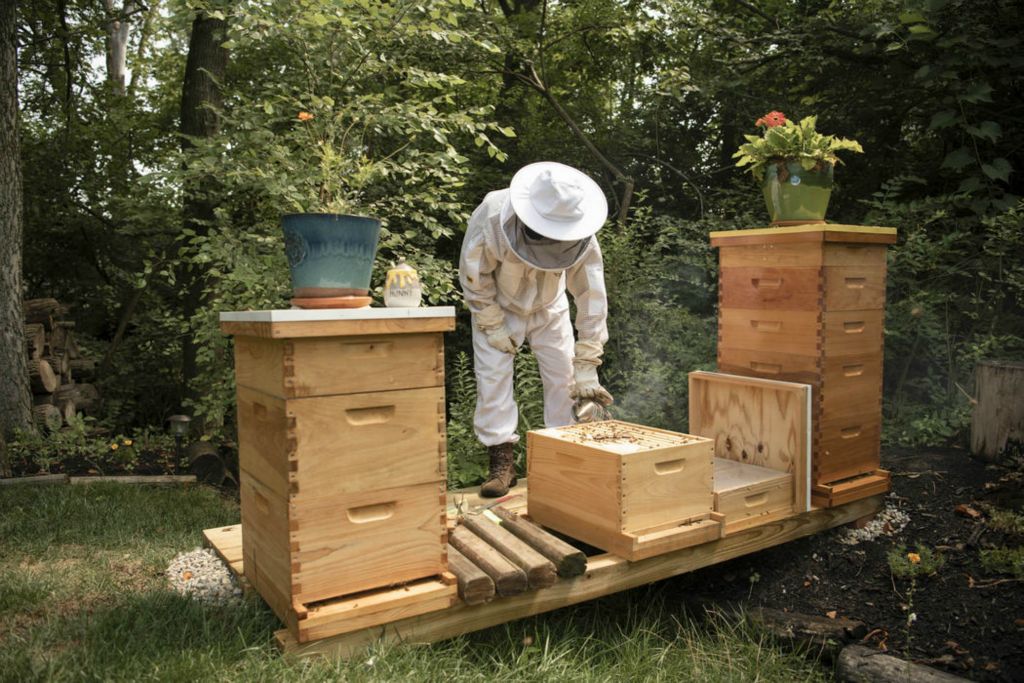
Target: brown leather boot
[503, 471]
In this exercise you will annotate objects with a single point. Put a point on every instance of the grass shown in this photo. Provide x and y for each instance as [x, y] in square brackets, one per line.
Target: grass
[82, 597]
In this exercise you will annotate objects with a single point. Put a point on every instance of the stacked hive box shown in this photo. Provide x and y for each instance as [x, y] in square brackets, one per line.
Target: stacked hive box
[807, 304]
[341, 424]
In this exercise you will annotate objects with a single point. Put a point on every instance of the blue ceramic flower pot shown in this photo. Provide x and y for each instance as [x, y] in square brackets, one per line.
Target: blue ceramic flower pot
[330, 254]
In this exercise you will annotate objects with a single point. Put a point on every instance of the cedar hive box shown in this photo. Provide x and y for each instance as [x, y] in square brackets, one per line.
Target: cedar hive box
[632, 490]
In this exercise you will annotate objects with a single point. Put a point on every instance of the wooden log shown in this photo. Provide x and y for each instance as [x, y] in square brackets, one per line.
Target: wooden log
[59, 362]
[35, 340]
[68, 411]
[42, 377]
[47, 418]
[82, 368]
[540, 573]
[568, 561]
[85, 396]
[154, 479]
[43, 399]
[999, 412]
[508, 578]
[41, 479]
[813, 633]
[41, 311]
[857, 663]
[475, 587]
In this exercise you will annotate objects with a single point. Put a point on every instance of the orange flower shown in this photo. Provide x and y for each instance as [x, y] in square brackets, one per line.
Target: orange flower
[914, 558]
[305, 116]
[771, 119]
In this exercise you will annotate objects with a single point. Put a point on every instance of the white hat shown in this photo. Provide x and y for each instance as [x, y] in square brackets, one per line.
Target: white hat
[558, 201]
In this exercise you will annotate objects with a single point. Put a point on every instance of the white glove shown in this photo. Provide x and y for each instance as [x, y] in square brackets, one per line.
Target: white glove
[586, 385]
[501, 339]
[491, 321]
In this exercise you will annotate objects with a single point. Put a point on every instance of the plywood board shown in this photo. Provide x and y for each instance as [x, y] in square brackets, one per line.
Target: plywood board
[756, 421]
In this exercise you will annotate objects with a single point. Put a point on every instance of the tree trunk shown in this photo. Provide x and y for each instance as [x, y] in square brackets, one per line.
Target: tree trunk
[85, 397]
[117, 43]
[858, 663]
[68, 411]
[15, 395]
[201, 99]
[999, 412]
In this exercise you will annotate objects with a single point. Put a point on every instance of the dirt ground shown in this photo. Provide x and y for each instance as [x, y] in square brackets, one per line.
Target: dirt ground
[968, 621]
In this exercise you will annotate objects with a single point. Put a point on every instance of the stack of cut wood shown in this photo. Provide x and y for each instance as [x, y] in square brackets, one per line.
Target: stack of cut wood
[56, 367]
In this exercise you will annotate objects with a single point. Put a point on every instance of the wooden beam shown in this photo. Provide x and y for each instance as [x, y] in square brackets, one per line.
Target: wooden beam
[605, 574]
[568, 561]
[540, 572]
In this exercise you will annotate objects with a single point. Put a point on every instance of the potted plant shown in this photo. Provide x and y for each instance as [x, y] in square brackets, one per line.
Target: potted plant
[794, 164]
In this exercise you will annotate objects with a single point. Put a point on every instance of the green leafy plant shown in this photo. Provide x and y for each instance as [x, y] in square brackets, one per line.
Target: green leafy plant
[1004, 561]
[924, 561]
[784, 141]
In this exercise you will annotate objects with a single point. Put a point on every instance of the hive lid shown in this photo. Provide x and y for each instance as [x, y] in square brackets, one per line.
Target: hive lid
[615, 436]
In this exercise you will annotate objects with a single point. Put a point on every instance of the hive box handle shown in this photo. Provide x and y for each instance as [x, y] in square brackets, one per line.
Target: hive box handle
[854, 326]
[850, 432]
[766, 282]
[374, 349]
[755, 499]
[856, 282]
[358, 417]
[766, 325]
[377, 512]
[767, 368]
[853, 370]
[669, 466]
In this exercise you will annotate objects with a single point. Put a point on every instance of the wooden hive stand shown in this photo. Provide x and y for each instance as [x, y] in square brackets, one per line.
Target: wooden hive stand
[807, 304]
[341, 430]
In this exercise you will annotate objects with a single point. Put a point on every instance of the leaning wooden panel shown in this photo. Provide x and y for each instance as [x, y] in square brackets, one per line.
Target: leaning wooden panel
[605, 574]
[756, 421]
[362, 442]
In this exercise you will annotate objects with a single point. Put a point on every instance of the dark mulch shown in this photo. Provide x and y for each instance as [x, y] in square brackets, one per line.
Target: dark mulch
[968, 622]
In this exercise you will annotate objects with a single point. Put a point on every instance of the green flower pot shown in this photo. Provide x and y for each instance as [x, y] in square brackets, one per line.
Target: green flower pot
[794, 195]
[330, 255]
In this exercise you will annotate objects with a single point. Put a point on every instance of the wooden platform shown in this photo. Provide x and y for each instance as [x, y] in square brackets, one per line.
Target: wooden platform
[606, 574]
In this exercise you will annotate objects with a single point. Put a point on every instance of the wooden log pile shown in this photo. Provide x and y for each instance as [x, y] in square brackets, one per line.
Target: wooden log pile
[501, 554]
[60, 376]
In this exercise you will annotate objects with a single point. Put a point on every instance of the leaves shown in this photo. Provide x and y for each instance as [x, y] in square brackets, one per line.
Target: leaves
[998, 169]
[958, 159]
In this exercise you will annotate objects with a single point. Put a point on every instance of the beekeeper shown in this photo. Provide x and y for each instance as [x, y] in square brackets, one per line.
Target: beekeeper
[524, 248]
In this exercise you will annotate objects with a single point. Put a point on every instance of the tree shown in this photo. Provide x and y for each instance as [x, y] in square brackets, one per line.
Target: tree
[15, 395]
[201, 99]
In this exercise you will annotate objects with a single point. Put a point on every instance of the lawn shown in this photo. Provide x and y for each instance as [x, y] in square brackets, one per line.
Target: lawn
[83, 597]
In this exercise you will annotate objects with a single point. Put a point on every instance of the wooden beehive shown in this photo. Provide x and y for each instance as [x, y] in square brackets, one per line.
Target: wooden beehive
[806, 304]
[631, 490]
[341, 423]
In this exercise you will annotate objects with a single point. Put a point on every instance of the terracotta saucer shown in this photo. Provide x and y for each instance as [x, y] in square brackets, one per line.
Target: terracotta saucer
[333, 302]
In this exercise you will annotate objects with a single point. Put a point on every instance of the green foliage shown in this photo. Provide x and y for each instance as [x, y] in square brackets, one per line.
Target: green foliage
[1004, 561]
[1006, 521]
[467, 458]
[922, 562]
[792, 141]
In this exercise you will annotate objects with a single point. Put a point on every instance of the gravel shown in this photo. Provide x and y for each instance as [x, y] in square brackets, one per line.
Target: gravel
[204, 576]
[889, 522]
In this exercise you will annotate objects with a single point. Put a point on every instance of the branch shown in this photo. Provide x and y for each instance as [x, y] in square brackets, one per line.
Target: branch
[534, 81]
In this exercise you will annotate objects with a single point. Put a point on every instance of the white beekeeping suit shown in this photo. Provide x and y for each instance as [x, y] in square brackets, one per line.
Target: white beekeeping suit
[525, 247]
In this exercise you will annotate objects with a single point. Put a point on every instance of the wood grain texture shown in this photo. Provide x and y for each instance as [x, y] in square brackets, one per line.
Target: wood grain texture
[748, 494]
[605, 574]
[540, 572]
[853, 332]
[793, 332]
[337, 328]
[770, 364]
[568, 561]
[266, 449]
[756, 421]
[998, 415]
[854, 287]
[475, 586]
[770, 288]
[354, 443]
[509, 579]
[358, 541]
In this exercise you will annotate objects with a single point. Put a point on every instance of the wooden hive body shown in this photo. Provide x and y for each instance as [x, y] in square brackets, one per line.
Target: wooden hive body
[342, 459]
[806, 304]
[632, 490]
